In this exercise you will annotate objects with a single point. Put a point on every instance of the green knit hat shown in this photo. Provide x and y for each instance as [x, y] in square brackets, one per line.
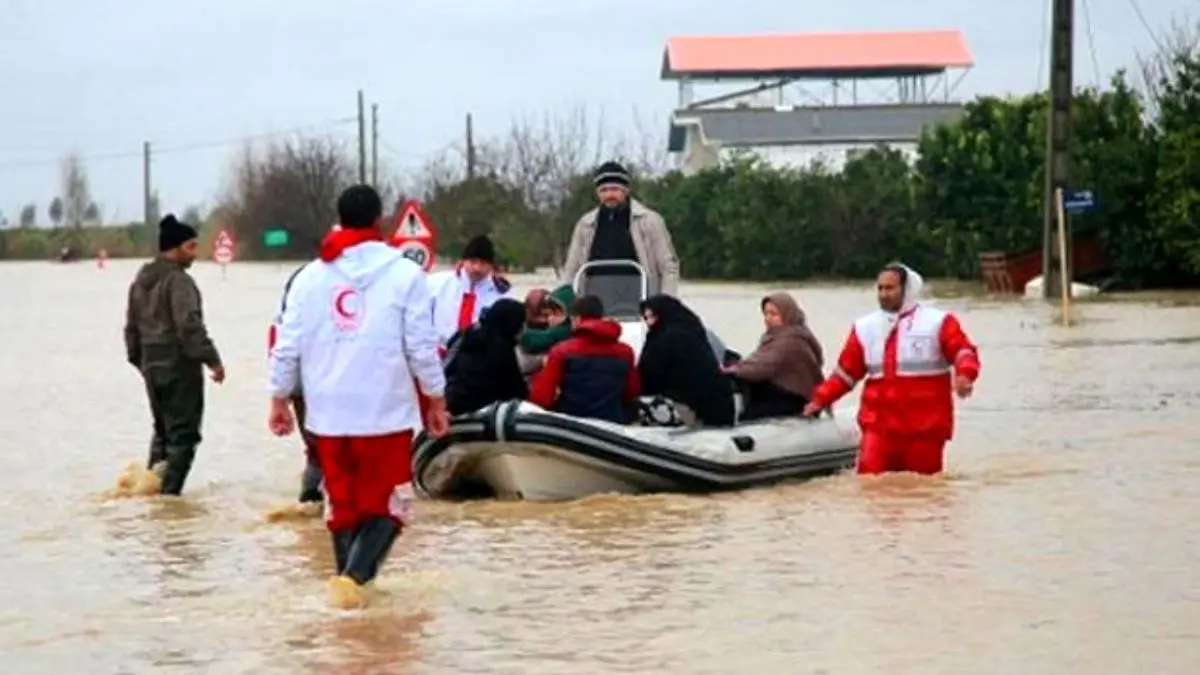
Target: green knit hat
[563, 296]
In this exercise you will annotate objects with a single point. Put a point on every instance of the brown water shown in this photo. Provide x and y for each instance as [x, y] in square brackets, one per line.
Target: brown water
[1065, 538]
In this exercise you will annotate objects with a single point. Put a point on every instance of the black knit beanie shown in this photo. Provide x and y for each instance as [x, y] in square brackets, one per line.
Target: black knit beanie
[173, 234]
[612, 173]
[480, 248]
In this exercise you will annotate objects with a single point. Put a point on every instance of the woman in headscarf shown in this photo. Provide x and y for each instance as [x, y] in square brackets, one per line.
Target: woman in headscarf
[481, 365]
[779, 376]
[677, 362]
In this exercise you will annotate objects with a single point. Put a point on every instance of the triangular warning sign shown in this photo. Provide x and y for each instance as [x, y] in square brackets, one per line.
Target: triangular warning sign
[412, 227]
[223, 240]
[412, 222]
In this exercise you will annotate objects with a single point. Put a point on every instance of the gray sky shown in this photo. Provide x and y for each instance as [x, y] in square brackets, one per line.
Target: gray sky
[101, 76]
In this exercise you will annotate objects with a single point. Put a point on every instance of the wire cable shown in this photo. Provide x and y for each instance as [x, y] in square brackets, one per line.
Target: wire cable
[177, 149]
[1087, 20]
[1041, 69]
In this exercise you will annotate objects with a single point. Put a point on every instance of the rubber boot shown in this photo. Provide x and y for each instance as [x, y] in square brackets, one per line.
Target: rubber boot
[179, 465]
[310, 484]
[342, 541]
[158, 452]
[372, 543]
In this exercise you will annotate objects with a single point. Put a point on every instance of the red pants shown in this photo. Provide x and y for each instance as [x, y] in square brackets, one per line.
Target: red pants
[365, 477]
[883, 453]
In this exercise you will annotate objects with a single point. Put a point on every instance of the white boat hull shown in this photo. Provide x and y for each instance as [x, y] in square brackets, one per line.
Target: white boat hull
[517, 451]
[535, 472]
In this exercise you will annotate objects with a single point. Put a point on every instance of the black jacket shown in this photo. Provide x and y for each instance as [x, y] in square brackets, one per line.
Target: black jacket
[677, 362]
[482, 367]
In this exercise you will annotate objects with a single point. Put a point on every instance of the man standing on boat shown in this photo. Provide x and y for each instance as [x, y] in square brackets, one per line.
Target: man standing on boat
[356, 330]
[621, 228]
[461, 295]
[911, 355]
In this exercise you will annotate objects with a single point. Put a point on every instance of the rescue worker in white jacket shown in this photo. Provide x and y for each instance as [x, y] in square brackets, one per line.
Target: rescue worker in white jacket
[461, 295]
[356, 331]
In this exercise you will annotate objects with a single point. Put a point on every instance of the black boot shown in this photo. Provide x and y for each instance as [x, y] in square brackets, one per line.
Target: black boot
[310, 484]
[372, 543]
[342, 541]
[158, 452]
[179, 465]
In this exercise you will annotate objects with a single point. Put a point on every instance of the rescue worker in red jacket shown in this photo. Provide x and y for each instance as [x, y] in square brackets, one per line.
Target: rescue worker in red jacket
[592, 374]
[911, 356]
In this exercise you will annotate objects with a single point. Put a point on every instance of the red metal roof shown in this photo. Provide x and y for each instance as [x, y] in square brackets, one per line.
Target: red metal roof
[878, 52]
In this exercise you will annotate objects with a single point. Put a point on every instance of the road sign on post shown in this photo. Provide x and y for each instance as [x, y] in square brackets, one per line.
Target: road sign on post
[276, 238]
[414, 233]
[223, 249]
[1078, 201]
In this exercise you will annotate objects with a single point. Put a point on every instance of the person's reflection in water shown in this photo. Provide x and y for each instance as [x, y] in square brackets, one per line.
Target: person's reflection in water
[377, 641]
[174, 552]
[896, 501]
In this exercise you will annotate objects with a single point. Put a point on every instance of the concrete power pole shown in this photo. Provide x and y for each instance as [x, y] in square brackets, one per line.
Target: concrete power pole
[375, 145]
[362, 139]
[147, 191]
[471, 161]
[1058, 138]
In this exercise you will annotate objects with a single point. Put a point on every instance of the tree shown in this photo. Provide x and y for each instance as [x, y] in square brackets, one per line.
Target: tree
[1177, 43]
[28, 216]
[292, 185]
[76, 194]
[193, 216]
[532, 173]
[1176, 199]
[56, 211]
[92, 215]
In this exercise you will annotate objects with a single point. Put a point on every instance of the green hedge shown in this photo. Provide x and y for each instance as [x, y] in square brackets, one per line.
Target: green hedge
[975, 186]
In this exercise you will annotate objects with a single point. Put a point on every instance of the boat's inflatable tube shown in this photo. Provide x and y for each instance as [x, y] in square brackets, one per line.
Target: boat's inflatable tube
[516, 447]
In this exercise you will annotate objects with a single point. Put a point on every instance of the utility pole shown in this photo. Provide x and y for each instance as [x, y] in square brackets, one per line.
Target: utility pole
[1058, 138]
[375, 145]
[471, 163]
[147, 192]
[362, 139]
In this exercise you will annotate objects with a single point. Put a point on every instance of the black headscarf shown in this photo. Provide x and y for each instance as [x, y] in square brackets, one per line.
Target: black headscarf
[677, 361]
[503, 320]
[672, 314]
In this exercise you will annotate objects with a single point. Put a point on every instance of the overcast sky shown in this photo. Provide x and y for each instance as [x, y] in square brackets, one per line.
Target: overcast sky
[101, 76]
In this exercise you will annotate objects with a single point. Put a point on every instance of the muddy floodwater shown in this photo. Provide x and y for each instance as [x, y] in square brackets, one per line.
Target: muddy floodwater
[1065, 537]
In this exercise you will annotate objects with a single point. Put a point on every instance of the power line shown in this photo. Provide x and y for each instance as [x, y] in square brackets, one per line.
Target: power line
[1087, 19]
[190, 147]
[1041, 70]
[1137, 10]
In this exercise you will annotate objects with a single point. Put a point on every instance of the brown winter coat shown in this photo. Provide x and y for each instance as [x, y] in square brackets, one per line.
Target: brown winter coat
[788, 356]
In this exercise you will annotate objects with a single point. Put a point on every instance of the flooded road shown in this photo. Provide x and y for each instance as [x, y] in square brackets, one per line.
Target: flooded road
[1064, 539]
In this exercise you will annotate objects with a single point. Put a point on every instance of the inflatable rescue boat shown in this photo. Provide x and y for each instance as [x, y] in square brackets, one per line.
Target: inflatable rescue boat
[515, 450]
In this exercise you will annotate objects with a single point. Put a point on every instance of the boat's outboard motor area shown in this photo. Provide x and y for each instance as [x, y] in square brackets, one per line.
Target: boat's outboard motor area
[621, 285]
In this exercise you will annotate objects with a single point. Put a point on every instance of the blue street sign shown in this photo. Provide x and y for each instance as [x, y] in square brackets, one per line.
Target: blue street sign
[1078, 201]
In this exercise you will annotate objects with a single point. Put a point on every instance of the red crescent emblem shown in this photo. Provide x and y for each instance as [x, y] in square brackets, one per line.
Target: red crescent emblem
[339, 303]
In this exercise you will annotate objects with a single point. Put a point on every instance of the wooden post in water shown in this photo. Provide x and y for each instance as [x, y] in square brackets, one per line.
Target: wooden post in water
[1065, 286]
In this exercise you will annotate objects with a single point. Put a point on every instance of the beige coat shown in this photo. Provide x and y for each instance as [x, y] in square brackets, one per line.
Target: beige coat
[655, 250]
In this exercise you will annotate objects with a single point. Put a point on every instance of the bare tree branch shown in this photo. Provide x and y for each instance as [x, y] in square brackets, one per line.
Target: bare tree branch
[1178, 42]
[76, 193]
[293, 185]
